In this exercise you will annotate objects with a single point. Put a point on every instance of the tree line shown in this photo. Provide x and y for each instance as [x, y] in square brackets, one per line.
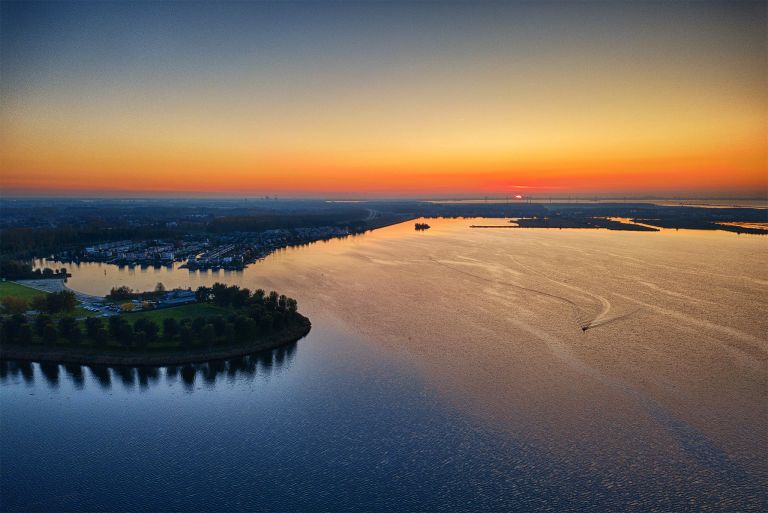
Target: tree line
[126, 293]
[16, 270]
[295, 219]
[24, 242]
[253, 315]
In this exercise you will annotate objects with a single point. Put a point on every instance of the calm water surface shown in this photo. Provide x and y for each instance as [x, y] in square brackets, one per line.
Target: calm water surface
[446, 369]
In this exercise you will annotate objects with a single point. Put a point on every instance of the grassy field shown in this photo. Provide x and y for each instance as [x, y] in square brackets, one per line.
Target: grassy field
[8, 288]
[191, 311]
[179, 312]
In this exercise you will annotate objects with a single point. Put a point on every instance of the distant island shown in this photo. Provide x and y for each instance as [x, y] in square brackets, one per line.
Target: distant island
[422, 226]
[559, 221]
[152, 328]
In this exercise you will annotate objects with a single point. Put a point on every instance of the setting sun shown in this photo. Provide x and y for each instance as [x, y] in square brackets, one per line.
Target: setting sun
[401, 101]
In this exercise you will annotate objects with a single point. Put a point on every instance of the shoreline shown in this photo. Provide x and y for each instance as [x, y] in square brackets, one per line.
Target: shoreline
[51, 285]
[181, 265]
[88, 356]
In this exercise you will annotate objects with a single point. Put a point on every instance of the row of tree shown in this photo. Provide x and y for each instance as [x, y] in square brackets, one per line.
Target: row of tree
[18, 270]
[23, 242]
[125, 292]
[253, 315]
[17, 329]
[236, 297]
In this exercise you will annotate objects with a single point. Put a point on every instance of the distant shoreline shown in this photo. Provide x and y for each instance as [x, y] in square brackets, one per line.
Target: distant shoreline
[89, 356]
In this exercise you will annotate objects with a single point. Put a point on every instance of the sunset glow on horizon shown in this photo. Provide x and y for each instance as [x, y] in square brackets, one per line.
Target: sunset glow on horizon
[392, 99]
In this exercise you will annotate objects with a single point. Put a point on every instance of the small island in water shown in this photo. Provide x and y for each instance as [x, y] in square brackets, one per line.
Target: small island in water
[146, 328]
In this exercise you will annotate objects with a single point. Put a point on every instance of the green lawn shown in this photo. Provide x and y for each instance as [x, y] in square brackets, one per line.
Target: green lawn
[8, 288]
[179, 312]
[190, 311]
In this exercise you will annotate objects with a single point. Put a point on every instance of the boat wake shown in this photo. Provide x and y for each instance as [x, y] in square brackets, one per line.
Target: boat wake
[584, 319]
[602, 322]
[584, 323]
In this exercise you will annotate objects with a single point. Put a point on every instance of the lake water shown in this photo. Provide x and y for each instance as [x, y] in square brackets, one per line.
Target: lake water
[445, 370]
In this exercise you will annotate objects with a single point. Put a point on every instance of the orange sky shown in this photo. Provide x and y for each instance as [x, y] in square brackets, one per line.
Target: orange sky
[649, 111]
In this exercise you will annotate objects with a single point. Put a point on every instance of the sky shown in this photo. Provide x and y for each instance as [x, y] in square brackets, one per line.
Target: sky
[384, 99]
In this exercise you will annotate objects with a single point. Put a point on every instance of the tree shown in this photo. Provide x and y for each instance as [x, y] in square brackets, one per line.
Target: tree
[229, 333]
[41, 321]
[101, 337]
[185, 334]
[241, 326]
[170, 328]
[14, 305]
[12, 328]
[203, 294]
[218, 323]
[92, 326]
[197, 325]
[159, 288]
[76, 334]
[25, 334]
[39, 303]
[125, 333]
[147, 327]
[68, 300]
[258, 296]
[69, 329]
[140, 339]
[220, 296]
[282, 303]
[49, 334]
[208, 334]
[272, 300]
[240, 298]
[121, 293]
[66, 325]
[256, 312]
[266, 322]
[63, 301]
[114, 325]
[15, 270]
[151, 329]
[251, 328]
[293, 305]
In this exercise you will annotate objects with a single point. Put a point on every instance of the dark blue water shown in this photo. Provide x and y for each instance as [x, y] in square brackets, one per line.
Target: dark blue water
[299, 428]
[326, 424]
[347, 420]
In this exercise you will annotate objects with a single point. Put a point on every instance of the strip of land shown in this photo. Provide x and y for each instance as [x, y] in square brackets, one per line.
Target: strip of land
[94, 356]
[214, 323]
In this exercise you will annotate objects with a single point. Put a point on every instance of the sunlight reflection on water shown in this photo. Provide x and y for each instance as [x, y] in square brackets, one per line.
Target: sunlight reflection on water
[452, 360]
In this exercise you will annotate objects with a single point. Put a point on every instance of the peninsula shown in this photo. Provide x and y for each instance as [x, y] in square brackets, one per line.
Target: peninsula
[154, 328]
